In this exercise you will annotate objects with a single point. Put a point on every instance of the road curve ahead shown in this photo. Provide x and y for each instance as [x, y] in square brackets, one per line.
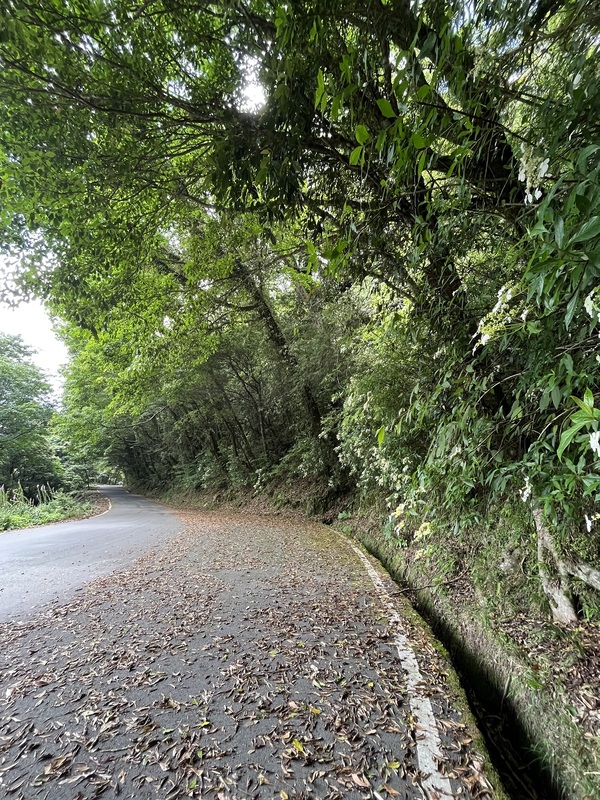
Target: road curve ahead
[51, 562]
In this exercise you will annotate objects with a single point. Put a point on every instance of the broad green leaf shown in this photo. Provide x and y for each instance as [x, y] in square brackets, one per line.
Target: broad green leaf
[386, 108]
[590, 483]
[572, 308]
[559, 231]
[362, 134]
[418, 141]
[567, 437]
[538, 229]
[556, 395]
[588, 231]
[356, 155]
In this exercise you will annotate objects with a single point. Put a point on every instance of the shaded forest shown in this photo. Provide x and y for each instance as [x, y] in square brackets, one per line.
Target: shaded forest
[351, 244]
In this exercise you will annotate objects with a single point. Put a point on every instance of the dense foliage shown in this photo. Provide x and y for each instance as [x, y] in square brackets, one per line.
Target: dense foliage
[384, 274]
[27, 459]
[38, 474]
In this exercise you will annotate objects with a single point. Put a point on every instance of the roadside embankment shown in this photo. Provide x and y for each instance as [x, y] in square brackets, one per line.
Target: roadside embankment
[539, 681]
[51, 507]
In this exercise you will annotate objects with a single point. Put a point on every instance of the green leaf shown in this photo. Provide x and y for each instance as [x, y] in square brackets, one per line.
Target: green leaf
[568, 363]
[559, 230]
[590, 483]
[556, 396]
[418, 141]
[567, 437]
[538, 229]
[356, 155]
[362, 134]
[584, 155]
[572, 307]
[428, 45]
[386, 108]
[380, 435]
[335, 107]
[587, 231]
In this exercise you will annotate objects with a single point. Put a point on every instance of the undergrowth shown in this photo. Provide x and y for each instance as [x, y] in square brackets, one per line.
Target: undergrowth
[49, 505]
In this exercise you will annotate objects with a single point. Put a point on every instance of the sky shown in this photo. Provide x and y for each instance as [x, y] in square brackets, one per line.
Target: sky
[31, 322]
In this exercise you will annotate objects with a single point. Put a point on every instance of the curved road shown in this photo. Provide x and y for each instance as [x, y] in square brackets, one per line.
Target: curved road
[247, 659]
[51, 562]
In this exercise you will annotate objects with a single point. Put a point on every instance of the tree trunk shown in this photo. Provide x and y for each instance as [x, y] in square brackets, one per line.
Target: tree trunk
[584, 573]
[554, 576]
[277, 337]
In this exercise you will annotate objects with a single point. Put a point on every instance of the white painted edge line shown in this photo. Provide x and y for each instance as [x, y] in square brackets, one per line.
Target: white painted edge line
[102, 513]
[428, 744]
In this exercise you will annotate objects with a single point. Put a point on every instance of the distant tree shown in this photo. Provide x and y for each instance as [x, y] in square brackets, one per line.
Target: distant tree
[26, 457]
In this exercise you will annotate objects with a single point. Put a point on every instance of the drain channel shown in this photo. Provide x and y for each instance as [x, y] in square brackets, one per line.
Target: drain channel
[521, 770]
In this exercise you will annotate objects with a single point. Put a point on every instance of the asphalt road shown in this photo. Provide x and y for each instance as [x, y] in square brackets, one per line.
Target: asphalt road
[51, 562]
[244, 658]
[224, 657]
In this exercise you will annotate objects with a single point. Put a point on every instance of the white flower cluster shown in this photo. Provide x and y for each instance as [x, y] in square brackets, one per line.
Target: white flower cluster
[525, 492]
[505, 295]
[592, 305]
[532, 171]
[595, 442]
[590, 521]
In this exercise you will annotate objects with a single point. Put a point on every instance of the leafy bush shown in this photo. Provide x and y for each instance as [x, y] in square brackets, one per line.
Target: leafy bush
[17, 511]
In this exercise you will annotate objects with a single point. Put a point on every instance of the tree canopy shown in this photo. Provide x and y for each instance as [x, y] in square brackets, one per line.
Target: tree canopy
[385, 272]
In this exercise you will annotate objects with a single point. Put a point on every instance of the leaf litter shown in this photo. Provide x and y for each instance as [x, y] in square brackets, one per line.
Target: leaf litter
[248, 658]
